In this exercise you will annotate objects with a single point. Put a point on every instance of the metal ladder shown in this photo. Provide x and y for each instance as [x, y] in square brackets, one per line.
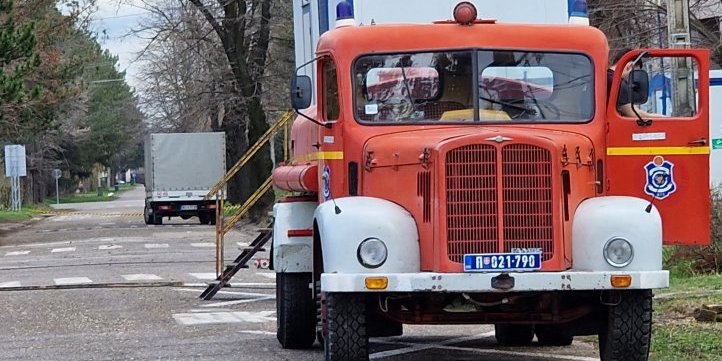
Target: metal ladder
[240, 262]
[223, 225]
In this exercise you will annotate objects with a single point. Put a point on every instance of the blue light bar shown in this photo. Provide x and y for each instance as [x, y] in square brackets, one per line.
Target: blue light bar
[579, 8]
[344, 10]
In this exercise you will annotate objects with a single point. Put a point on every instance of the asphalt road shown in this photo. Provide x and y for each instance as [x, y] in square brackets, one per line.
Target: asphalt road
[99, 284]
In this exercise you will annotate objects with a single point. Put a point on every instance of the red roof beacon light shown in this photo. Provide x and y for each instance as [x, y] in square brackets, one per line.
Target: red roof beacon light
[465, 13]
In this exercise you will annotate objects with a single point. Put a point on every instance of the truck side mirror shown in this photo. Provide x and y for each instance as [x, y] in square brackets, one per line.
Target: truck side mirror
[301, 92]
[640, 86]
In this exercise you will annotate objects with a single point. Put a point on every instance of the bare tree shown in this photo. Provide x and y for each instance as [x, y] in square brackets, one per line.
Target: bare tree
[643, 23]
[207, 67]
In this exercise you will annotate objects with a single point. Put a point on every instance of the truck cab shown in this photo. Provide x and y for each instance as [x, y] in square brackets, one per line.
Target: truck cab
[474, 172]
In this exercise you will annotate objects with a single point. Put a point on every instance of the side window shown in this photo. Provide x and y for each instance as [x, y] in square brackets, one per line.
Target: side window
[330, 91]
[661, 87]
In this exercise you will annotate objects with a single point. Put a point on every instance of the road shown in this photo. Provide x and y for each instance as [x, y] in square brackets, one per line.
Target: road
[96, 283]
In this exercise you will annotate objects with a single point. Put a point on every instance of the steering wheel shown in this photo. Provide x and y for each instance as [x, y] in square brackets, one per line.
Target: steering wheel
[546, 109]
[403, 109]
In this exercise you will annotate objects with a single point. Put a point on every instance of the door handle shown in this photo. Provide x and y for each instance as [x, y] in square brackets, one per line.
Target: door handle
[698, 142]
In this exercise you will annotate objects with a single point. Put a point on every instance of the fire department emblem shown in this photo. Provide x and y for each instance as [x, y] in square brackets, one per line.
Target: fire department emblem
[326, 179]
[660, 178]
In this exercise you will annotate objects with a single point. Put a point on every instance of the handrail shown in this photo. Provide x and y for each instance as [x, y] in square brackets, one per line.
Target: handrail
[223, 226]
[250, 202]
[250, 153]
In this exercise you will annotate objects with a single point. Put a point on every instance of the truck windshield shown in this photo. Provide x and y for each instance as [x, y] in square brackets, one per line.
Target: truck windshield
[465, 86]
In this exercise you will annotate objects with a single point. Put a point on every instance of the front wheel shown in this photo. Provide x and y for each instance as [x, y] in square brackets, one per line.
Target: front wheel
[347, 339]
[626, 333]
[295, 310]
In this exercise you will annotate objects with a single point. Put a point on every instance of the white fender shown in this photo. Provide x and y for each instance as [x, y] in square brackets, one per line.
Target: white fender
[359, 219]
[292, 254]
[598, 220]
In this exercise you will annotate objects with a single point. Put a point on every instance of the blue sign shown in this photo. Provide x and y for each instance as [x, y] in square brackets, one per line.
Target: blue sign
[660, 178]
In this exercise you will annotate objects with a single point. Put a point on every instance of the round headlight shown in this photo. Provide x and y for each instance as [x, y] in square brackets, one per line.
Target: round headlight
[618, 252]
[372, 253]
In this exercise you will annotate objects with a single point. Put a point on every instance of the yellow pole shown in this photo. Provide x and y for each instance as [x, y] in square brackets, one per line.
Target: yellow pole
[285, 142]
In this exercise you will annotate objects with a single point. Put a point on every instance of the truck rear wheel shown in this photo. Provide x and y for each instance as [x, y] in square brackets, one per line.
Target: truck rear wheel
[553, 335]
[626, 333]
[296, 311]
[514, 335]
[347, 339]
[204, 218]
[147, 217]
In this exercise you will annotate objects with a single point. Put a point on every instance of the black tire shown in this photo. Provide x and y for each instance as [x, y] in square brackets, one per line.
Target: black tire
[295, 310]
[626, 333]
[212, 219]
[204, 218]
[347, 339]
[157, 220]
[147, 217]
[553, 335]
[514, 335]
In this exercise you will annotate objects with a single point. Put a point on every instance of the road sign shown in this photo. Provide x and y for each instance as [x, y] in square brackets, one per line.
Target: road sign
[15, 161]
[716, 143]
[57, 173]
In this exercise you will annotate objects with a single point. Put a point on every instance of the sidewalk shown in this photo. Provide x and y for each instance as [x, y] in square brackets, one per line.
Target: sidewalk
[132, 200]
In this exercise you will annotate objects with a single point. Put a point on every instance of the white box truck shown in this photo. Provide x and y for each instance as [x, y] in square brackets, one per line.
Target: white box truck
[181, 168]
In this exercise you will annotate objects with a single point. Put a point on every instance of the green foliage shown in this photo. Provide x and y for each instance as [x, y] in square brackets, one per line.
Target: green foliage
[103, 195]
[55, 98]
[687, 342]
[677, 335]
[18, 58]
[689, 261]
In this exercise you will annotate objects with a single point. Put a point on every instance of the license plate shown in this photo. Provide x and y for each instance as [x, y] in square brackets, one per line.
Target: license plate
[189, 207]
[502, 262]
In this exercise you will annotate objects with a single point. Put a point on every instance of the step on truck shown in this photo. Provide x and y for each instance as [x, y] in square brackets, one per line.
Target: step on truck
[471, 171]
[180, 169]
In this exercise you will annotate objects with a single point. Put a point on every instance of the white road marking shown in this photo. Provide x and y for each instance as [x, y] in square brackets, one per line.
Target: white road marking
[242, 244]
[271, 275]
[235, 293]
[17, 253]
[264, 333]
[9, 284]
[233, 284]
[425, 346]
[72, 281]
[238, 302]
[108, 224]
[224, 317]
[142, 277]
[65, 249]
[204, 276]
[411, 347]
[109, 246]
[203, 244]
[157, 245]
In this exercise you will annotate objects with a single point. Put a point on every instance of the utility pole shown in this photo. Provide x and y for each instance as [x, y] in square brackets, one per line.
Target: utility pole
[682, 71]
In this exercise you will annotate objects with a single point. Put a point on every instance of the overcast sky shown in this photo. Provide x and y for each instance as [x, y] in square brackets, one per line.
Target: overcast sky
[113, 23]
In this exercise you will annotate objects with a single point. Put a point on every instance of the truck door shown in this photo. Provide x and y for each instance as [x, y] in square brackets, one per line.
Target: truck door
[665, 160]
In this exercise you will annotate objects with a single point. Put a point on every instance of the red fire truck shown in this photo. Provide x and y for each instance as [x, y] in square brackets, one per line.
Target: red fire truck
[475, 172]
